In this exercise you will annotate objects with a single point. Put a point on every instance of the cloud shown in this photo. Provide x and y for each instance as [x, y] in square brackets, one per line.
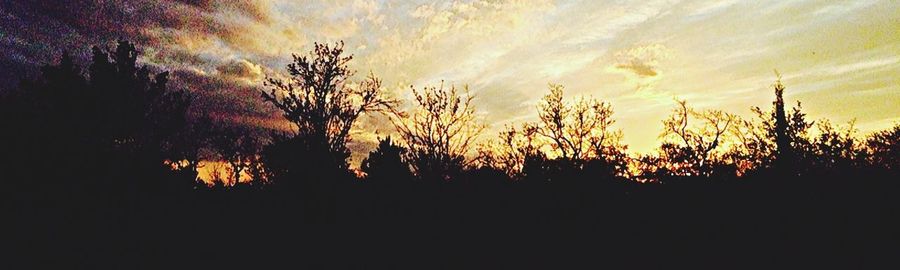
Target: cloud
[422, 11]
[505, 50]
[241, 69]
[638, 67]
[223, 98]
[642, 60]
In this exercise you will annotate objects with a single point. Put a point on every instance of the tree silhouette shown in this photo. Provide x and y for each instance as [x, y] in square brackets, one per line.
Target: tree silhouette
[439, 132]
[691, 149]
[784, 149]
[321, 102]
[136, 109]
[192, 145]
[837, 148]
[239, 149]
[90, 159]
[753, 148]
[511, 150]
[787, 137]
[120, 118]
[580, 131]
[884, 149]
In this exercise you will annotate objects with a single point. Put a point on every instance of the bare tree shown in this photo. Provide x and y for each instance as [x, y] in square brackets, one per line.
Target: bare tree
[509, 152]
[321, 101]
[439, 132]
[578, 132]
[694, 144]
[752, 148]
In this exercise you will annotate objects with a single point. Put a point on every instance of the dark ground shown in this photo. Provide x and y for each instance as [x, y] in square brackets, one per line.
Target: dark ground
[846, 223]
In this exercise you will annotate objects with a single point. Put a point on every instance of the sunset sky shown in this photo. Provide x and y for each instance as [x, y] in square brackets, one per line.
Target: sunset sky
[841, 58]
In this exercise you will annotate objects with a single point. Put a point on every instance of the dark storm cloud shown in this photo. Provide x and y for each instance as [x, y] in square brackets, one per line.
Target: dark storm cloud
[253, 9]
[223, 99]
[32, 28]
[36, 32]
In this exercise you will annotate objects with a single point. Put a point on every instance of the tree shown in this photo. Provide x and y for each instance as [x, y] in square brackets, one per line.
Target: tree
[439, 132]
[580, 131]
[690, 149]
[238, 148]
[784, 150]
[786, 146]
[122, 117]
[837, 148]
[753, 148]
[191, 146]
[578, 135]
[511, 150]
[884, 149]
[135, 113]
[322, 103]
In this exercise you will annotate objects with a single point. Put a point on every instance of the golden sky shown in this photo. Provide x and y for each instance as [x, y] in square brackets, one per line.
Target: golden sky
[839, 57]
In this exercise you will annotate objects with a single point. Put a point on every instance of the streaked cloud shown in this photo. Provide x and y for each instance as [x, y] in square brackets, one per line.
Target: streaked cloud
[839, 57]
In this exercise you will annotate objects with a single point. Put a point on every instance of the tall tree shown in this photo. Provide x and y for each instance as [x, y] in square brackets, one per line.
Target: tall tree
[784, 150]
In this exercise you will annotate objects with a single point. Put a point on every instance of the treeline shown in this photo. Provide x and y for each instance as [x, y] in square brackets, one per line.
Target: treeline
[121, 118]
[440, 138]
[114, 142]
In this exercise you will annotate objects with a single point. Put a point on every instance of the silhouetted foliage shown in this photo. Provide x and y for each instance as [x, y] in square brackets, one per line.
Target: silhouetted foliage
[836, 148]
[884, 149]
[191, 146]
[569, 140]
[691, 148]
[240, 150]
[580, 131]
[322, 103]
[784, 149]
[386, 164]
[763, 152]
[100, 171]
[511, 151]
[120, 118]
[753, 147]
[439, 132]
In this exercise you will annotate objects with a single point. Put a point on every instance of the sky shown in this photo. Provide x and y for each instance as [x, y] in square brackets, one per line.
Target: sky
[840, 58]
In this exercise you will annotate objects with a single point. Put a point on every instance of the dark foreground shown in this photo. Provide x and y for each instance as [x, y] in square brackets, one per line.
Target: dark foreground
[836, 221]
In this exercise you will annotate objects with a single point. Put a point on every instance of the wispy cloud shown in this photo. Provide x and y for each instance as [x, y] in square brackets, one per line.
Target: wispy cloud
[639, 55]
